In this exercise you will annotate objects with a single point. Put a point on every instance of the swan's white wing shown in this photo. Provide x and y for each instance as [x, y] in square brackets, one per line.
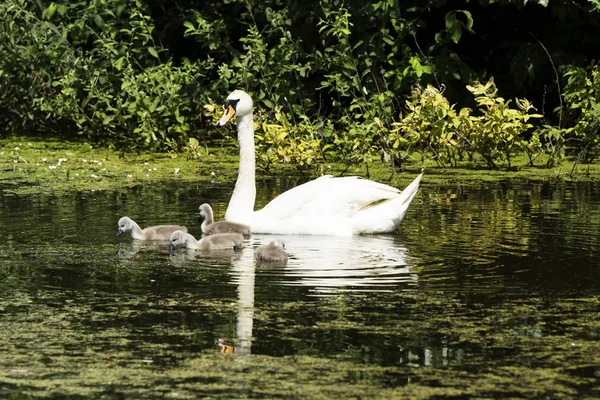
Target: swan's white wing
[336, 206]
[385, 216]
[329, 197]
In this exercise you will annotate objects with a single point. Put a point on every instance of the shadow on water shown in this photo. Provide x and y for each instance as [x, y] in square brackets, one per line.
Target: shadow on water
[479, 284]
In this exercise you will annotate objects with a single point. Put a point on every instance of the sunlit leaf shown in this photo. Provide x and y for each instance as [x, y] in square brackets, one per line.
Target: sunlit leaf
[153, 52]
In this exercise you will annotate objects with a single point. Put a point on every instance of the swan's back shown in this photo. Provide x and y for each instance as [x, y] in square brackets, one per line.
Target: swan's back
[336, 206]
[328, 195]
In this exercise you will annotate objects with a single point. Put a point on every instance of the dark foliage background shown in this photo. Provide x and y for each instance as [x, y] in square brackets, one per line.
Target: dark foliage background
[330, 78]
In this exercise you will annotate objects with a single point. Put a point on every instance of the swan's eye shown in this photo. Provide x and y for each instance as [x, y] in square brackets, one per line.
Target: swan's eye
[231, 103]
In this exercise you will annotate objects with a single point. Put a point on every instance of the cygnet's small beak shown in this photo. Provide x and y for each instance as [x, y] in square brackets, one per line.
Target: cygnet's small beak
[227, 115]
[119, 232]
[201, 218]
[171, 247]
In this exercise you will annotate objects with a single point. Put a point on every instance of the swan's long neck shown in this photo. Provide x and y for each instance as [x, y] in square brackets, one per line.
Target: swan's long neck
[191, 242]
[241, 205]
[208, 220]
[136, 231]
[209, 217]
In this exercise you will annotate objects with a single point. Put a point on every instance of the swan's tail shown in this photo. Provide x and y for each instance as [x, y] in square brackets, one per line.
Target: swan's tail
[387, 215]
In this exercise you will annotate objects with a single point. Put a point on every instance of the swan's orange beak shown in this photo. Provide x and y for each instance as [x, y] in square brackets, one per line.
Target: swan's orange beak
[228, 113]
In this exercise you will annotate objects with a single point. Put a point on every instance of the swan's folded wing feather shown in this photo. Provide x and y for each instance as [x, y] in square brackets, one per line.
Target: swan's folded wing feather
[328, 196]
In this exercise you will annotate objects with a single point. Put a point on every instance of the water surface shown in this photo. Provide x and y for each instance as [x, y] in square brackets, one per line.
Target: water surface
[484, 291]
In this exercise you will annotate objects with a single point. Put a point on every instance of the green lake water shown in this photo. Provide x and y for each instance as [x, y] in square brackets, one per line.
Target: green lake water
[485, 291]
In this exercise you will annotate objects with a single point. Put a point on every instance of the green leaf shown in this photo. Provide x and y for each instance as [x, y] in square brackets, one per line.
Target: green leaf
[98, 21]
[456, 33]
[358, 44]
[49, 12]
[439, 37]
[153, 52]
[469, 17]
[107, 119]
[450, 20]
[119, 64]
[120, 9]
[178, 117]
[348, 65]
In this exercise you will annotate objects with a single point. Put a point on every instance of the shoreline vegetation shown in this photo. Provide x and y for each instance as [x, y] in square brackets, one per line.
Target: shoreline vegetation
[31, 165]
[456, 84]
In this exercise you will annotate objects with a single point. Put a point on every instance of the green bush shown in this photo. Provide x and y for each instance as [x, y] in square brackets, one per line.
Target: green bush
[333, 80]
[95, 69]
[581, 95]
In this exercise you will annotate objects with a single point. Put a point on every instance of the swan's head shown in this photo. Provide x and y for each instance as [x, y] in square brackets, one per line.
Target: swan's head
[205, 210]
[178, 238]
[238, 103]
[125, 224]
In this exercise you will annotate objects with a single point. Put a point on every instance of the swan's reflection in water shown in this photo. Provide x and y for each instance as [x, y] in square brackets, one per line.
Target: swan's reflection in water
[323, 265]
[243, 274]
[326, 265]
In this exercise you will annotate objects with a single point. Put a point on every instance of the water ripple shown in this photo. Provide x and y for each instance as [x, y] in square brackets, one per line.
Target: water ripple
[330, 264]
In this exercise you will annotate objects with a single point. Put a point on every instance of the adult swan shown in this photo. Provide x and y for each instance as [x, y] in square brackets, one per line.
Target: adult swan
[341, 206]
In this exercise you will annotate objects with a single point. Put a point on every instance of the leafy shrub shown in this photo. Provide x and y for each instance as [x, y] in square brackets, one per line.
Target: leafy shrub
[433, 127]
[426, 127]
[581, 94]
[497, 134]
[330, 76]
[96, 71]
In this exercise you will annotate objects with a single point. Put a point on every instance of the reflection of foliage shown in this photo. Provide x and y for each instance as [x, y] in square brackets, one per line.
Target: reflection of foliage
[164, 344]
[479, 316]
[493, 222]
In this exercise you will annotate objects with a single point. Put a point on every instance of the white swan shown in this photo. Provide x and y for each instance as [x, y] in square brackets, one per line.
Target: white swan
[325, 206]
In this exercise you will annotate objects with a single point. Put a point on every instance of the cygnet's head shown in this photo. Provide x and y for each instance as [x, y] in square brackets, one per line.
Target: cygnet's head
[125, 224]
[177, 238]
[277, 243]
[237, 103]
[205, 210]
